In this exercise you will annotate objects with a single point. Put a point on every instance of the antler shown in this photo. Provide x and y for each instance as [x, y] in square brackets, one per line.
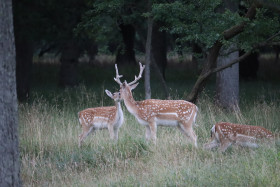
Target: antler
[117, 78]
[142, 67]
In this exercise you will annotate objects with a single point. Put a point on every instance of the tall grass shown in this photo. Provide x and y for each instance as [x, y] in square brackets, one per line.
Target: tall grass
[50, 155]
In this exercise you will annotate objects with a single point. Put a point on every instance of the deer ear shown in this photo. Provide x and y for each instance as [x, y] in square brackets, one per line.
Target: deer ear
[109, 93]
[134, 86]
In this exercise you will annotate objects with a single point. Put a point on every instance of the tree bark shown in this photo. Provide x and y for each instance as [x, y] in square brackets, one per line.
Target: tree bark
[9, 159]
[159, 56]
[206, 72]
[161, 79]
[227, 81]
[148, 59]
[125, 53]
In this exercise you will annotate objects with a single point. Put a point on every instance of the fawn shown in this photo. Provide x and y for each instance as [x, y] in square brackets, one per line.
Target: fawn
[110, 117]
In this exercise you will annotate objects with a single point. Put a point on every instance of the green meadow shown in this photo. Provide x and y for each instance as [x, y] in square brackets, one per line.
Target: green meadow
[49, 129]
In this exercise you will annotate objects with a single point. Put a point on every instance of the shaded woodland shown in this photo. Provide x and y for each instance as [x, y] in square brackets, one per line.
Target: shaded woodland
[154, 29]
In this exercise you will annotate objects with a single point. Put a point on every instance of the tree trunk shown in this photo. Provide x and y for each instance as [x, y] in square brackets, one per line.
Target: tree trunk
[9, 159]
[227, 81]
[24, 58]
[161, 79]
[210, 63]
[148, 59]
[125, 53]
[68, 76]
[159, 59]
[159, 48]
[160, 55]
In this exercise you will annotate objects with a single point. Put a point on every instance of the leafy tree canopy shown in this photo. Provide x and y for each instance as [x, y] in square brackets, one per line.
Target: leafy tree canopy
[103, 18]
[203, 22]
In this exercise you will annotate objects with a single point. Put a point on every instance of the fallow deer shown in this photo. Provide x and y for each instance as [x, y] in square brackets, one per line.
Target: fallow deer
[154, 112]
[110, 117]
[225, 134]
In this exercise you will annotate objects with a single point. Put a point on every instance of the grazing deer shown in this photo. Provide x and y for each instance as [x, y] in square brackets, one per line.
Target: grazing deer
[153, 112]
[110, 117]
[225, 134]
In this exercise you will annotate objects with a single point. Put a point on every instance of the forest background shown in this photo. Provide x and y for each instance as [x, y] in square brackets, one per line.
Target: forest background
[65, 56]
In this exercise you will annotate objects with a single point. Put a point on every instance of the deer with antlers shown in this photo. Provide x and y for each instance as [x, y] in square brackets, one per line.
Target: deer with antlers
[110, 117]
[153, 112]
[225, 134]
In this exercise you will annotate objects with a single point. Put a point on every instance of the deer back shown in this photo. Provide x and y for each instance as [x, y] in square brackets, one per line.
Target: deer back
[231, 131]
[173, 109]
[99, 115]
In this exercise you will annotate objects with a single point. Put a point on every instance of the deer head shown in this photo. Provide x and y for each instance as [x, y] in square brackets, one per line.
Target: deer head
[115, 96]
[126, 88]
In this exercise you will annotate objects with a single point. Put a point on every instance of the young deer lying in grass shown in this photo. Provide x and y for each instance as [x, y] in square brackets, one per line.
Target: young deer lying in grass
[110, 117]
[153, 112]
[225, 134]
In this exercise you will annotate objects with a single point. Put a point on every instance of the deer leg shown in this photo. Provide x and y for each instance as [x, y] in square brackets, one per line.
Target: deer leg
[246, 142]
[116, 133]
[189, 132]
[84, 134]
[192, 135]
[148, 133]
[194, 119]
[153, 129]
[111, 131]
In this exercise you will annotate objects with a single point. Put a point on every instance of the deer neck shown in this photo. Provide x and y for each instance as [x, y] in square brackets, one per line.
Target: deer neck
[119, 108]
[119, 114]
[130, 103]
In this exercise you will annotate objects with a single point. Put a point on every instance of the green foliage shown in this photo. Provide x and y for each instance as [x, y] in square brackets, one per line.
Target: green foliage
[192, 21]
[265, 25]
[50, 20]
[101, 22]
[203, 22]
